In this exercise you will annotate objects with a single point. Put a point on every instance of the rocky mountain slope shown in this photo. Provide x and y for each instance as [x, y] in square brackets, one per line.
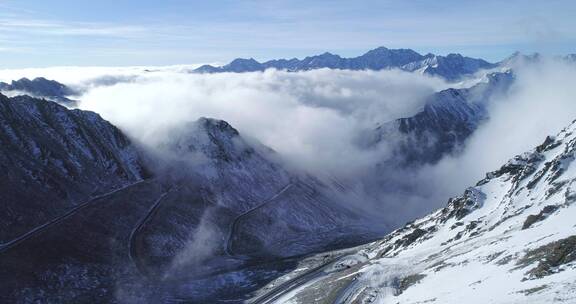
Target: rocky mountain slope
[508, 239]
[447, 120]
[451, 67]
[53, 159]
[89, 217]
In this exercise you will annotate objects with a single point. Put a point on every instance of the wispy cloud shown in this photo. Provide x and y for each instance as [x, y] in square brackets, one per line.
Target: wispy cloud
[46, 27]
[201, 32]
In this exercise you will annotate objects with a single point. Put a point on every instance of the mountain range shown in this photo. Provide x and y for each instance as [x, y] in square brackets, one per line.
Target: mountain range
[451, 67]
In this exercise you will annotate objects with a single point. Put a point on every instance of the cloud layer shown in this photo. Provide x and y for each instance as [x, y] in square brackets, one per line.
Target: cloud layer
[310, 118]
[541, 102]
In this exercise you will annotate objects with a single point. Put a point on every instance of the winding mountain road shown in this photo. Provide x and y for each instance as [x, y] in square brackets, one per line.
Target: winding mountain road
[39, 229]
[133, 239]
[228, 248]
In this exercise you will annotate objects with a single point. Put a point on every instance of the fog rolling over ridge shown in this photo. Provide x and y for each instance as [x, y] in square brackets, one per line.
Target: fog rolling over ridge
[313, 119]
[541, 101]
[301, 115]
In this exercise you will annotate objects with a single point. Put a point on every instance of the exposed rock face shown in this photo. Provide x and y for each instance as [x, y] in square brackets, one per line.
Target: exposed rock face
[550, 258]
[450, 67]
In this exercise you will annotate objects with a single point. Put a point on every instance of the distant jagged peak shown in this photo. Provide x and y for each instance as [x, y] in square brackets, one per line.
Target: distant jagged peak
[327, 55]
[455, 55]
[379, 51]
[244, 60]
[207, 69]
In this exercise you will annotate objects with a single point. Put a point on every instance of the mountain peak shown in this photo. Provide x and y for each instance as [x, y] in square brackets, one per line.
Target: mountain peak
[243, 65]
[379, 49]
[454, 55]
[216, 125]
[244, 61]
[384, 51]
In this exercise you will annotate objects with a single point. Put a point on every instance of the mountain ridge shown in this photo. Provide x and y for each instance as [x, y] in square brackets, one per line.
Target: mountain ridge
[40, 87]
[59, 157]
[451, 67]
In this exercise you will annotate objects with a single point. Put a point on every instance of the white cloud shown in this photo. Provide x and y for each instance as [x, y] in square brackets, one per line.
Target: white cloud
[541, 102]
[310, 118]
[48, 27]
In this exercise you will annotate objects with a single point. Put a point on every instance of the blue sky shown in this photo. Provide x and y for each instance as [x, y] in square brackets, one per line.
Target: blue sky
[39, 33]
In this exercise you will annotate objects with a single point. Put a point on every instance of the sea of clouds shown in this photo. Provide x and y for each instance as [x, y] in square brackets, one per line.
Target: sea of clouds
[313, 119]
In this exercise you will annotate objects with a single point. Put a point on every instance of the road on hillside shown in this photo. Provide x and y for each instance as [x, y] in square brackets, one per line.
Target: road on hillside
[39, 229]
[292, 284]
[234, 225]
[132, 240]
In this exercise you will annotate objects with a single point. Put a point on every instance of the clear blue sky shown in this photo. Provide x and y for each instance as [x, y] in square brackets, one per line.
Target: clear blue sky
[38, 33]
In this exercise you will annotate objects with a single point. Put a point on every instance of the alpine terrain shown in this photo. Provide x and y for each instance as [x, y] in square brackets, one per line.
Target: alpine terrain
[198, 211]
[510, 238]
[88, 214]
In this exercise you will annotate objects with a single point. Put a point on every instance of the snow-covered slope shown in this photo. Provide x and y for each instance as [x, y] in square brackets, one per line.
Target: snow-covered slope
[509, 239]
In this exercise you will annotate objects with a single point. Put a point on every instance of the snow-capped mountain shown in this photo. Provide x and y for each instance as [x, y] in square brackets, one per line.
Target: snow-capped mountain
[451, 67]
[509, 239]
[40, 87]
